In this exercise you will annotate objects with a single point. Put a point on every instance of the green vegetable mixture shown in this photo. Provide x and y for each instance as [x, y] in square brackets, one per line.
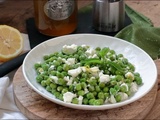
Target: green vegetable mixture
[89, 76]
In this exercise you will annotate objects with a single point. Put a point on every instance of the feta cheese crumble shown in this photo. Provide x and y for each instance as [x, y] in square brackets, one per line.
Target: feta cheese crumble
[75, 72]
[69, 49]
[68, 96]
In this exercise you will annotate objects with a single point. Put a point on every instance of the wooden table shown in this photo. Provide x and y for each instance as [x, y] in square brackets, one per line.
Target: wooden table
[16, 12]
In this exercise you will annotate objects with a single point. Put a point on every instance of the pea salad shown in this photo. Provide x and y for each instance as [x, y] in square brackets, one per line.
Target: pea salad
[81, 74]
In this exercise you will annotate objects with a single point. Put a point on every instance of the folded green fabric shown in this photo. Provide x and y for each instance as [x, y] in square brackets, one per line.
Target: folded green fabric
[141, 33]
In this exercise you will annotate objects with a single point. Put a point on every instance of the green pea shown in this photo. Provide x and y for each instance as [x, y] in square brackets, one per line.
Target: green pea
[56, 63]
[137, 74]
[43, 83]
[106, 95]
[128, 80]
[60, 97]
[81, 92]
[59, 88]
[84, 75]
[101, 95]
[53, 72]
[112, 70]
[125, 61]
[120, 55]
[105, 89]
[83, 85]
[101, 84]
[118, 97]
[75, 101]
[85, 101]
[48, 81]
[93, 82]
[123, 88]
[60, 54]
[57, 94]
[118, 72]
[91, 88]
[53, 91]
[45, 67]
[138, 80]
[71, 87]
[82, 79]
[53, 86]
[117, 87]
[60, 75]
[37, 65]
[76, 80]
[82, 57]
[66, 67]
[97, 88]
[64, 73]
[76, 56]
[98, 102]
[90, 95]
[40, 70]
[112, 52]
[128, 93]
[113, 91]
[91, 101]
[61, 81]
[60, 68]
[119, 78]
[46, 57]
[131, 67]
[39, 78]
[64, 90]
[78, 87]
[113, 82]
[48, 88]
[94, 93]
[98, 48]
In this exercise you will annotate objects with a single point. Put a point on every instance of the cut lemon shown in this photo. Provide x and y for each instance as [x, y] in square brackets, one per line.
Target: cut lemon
[11, 43]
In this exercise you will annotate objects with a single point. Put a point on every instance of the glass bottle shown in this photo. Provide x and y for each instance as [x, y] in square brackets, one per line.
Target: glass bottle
[55, 17]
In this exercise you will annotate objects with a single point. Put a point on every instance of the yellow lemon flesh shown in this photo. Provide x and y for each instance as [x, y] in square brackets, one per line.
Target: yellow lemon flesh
[11, 43]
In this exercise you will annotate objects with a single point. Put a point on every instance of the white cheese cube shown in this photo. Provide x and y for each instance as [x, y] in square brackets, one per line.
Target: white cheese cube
[124, 96]
[112, 99]
[129, 75]
[54, 78]
[70, 61]
[104, 78]
[69, 49]
[68, 96]
[75, 72]
[134, 87]
[80, 99]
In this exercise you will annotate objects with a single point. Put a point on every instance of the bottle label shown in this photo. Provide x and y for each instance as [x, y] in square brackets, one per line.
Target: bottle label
[59, 9]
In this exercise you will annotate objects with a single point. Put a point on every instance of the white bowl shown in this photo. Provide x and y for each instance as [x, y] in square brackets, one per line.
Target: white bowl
[142, 61]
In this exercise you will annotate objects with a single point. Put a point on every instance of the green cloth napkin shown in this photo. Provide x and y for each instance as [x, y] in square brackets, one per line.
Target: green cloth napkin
[141, 33]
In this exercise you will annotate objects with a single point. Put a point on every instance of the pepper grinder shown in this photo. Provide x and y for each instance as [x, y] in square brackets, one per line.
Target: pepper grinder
[108, 15]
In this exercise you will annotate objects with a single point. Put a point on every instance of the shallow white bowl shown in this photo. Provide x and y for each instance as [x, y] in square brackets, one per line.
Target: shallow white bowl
[142, 61]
